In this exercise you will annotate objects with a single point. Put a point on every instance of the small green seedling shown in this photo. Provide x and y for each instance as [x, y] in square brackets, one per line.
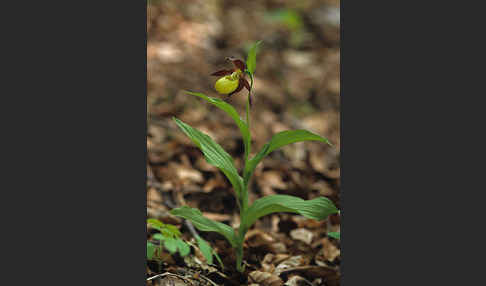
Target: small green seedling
[169, 237]
[233, 81]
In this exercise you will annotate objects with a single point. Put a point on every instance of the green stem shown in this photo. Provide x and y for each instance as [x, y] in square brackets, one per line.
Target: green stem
[248, 111]
[248, 149]
[239, 259]
[243, 204]
[239, 249]
[244, 195]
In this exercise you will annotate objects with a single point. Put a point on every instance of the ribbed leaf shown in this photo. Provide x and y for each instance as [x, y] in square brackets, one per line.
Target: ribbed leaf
[230, 110]
[251, 58]
[278, 140]
[318, 208]
[214, 154]
[204, 224]
[206, 250]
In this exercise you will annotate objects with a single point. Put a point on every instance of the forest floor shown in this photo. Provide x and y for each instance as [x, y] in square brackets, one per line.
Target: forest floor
[297, 86]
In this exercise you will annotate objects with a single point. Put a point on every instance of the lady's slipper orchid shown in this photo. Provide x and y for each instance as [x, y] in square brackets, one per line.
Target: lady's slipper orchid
[233, 80]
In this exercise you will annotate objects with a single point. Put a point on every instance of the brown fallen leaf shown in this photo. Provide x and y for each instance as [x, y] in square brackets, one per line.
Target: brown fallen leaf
[154, 199]
[309, 223]
[323, 188]
[215, 182]
[298, 281]
[257, 238]
[265, 278]
[278, 248]
[292, 262]
[187, 174]
[328, 251]
[275, 219]
[172, 281]
[267, 265]
[280, 257]
[271, 180]
[312, 271]
[302, 234]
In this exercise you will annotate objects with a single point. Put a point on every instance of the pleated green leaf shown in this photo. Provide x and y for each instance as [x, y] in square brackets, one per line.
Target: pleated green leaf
[214, 154]
[251, 58]
[230, 110]
[204, 224]
[278, 140]
[318, 208]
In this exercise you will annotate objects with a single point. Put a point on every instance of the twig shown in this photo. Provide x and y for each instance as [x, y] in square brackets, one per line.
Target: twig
[209, 280]
[191, 228]
[159, 275]
[166, 274]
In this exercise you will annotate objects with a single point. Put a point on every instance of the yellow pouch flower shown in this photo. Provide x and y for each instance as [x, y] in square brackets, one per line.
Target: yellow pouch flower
[226, 84]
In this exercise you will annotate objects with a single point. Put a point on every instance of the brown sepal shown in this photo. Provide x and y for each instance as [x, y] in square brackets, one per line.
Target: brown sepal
[222, 72]
[237, 63]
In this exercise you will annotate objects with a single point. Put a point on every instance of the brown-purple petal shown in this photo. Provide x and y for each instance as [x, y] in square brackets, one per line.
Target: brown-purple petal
[222, 72]
[245, 83]
[240, 87]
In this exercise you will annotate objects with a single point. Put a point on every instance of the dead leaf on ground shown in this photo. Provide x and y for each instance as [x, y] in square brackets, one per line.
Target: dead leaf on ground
[303, 235]
[216, 182]
[328, 251]
[186, 174]
[267, 265]
[278, 247]
[257, 238]
[292, 262]
[271, 180]
[154, 199]
[312, 271]
[298, 281]
[265, 278]
[171, 281]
